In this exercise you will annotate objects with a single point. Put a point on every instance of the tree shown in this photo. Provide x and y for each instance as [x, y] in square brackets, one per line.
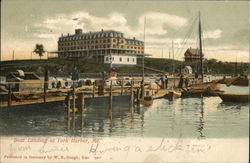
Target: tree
[39, 49]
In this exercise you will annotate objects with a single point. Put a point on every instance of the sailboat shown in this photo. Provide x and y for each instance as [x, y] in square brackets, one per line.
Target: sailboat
[148, 100]
[173, 94]
[202, 88]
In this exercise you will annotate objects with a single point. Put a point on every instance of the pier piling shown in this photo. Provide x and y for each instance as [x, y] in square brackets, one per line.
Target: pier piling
[110, 100]
[93, 93]
[46, 84]
[9, 96]
[74, 106]
[121, 87]
[68, 109]
[81, 107]
[132, 97]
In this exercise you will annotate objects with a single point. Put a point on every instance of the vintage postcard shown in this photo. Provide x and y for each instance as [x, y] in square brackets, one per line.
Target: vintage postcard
[124, 81]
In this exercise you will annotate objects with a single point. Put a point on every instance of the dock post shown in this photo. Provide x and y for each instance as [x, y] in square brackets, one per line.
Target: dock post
[93, 95]
[9, 96]
[142, 89]
[81, 107]
[132, 97]
[110, 100]
[68, 109]
[137, 96]
[45, 85]
[121, 87]
[74, 106]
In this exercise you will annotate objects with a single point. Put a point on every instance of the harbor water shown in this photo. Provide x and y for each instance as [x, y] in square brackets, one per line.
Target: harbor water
[206, 117]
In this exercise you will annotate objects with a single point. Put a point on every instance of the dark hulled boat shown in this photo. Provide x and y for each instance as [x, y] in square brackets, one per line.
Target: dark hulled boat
[147, 101]
[239, 98]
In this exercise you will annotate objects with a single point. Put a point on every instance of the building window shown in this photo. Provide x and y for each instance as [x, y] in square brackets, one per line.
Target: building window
[128, 59]
[107, 58]
[114, 40]
[120, 59]
[133, 60]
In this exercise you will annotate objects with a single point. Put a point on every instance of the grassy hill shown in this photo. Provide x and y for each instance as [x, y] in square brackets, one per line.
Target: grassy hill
[87, 65]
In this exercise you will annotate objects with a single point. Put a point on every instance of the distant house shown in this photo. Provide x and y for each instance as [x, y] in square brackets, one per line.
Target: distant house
[187, 70]
[23, 81]
[192, 55]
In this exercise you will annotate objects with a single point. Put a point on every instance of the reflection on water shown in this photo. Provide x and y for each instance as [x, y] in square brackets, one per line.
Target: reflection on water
[190, 117]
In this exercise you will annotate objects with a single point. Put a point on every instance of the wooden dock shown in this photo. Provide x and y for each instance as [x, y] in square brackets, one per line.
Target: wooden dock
[55, 94]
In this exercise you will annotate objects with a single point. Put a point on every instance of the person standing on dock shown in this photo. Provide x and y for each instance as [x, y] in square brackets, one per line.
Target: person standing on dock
[181, 82]
[166, 81]
[186, 82]
[53, 84]
[163, 79]
[59, 84]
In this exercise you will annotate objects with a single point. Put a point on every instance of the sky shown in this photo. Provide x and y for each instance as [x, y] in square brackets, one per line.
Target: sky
[224, 25]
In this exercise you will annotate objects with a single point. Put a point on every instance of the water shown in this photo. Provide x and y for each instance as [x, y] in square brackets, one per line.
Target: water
[234, 89]
[189, 117]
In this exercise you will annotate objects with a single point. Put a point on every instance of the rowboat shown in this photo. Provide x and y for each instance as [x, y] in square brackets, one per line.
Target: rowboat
[239, 98]
[200, 92]
[173, 94]
[147, 101]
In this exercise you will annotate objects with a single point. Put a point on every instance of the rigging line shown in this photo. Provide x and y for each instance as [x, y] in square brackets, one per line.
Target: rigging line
[203, 34]
[182, 46]
[206, 28]
[190, 31]
[179, 29]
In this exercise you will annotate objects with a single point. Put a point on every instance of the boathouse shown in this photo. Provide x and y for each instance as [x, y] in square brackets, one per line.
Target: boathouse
[192, 55]
[23, 81]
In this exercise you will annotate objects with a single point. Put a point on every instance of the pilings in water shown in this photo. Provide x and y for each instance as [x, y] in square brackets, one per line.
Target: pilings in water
[67, 100]
[74, 106]
[45, 85]
[78, 105]
[93, 93]
[81, 107]
[110, 100]
[132, 98]
[121, 87]
[9, 96]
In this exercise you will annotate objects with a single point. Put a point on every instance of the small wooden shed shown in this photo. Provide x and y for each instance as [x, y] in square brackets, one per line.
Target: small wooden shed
[23, 81]
[187, 70]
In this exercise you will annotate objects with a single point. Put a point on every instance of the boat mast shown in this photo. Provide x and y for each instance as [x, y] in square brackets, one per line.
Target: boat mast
[201, 57]
[143, 60]
[173, 55]
[235, 69]
[169, 54]
[13, 55]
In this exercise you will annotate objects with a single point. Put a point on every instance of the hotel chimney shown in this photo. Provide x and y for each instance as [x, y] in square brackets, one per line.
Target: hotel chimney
[78, 31]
